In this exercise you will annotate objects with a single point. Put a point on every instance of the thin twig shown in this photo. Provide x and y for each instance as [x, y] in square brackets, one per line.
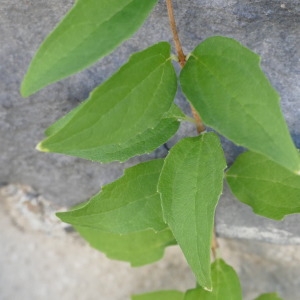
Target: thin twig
[181, 56]
[182, 59]
[199, 124]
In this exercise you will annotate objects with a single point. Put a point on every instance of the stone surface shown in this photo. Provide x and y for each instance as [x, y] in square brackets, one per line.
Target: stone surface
[41, 258]
[271, 28]
[37, 263]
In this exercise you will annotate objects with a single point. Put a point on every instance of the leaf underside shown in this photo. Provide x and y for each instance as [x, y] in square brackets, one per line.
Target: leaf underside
[130, 114]
[129, 204]
[91, 30]
[190, 185]
[271, 190]
[226, 284]
[224, 82]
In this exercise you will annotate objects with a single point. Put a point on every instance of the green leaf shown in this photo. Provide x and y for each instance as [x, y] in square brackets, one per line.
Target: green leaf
[270, 296]
[173, 113]
[226, 285]
[190, 185]
[139, 248]
[91, 30]
[223, 81]
[123, 115]
[129, 204]
[145, 142]
[271, 190]
[160, 295]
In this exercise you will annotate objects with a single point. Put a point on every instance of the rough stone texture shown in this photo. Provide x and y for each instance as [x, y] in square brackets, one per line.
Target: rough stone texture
[271, 28]
[41, 258]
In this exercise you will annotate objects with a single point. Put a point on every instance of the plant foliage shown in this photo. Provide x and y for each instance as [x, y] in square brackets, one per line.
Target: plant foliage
[190, 185]
[170, 200]
[91, 30]
[224, 82]
[226, 284]
[130, 204]
[104, 129]
[271, 190]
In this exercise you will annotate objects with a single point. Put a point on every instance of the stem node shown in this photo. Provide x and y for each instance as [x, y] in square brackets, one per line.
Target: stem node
[182, 59]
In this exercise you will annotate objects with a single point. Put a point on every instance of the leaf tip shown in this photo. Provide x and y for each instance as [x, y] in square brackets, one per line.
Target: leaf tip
[26, 89]
[62, 216]
[40, 147]
[23, 91]
[209, 289]
[57, 214]
[207, 285]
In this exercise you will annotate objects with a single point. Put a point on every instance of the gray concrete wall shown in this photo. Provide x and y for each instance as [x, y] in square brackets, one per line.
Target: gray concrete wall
[270, 28]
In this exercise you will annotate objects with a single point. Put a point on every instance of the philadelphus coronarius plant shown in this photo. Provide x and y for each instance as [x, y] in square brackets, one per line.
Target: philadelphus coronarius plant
[171, 200]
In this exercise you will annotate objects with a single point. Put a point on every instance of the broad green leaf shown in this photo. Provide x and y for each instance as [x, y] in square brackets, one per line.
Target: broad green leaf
[270, 296]
[139, 248]
[190, 185]
[271, 190]
[129, 204]
[223, 81]
[145, 142]
[226, 284]
[160, 295]
[121, 116]
[173, 113]
[91, 30]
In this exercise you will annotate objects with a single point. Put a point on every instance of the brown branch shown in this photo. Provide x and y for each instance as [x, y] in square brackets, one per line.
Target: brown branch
[181, 56]
[199, 124]
[182, 59]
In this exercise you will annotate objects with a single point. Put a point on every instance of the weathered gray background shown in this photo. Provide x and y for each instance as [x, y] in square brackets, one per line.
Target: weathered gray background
[270, 28]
